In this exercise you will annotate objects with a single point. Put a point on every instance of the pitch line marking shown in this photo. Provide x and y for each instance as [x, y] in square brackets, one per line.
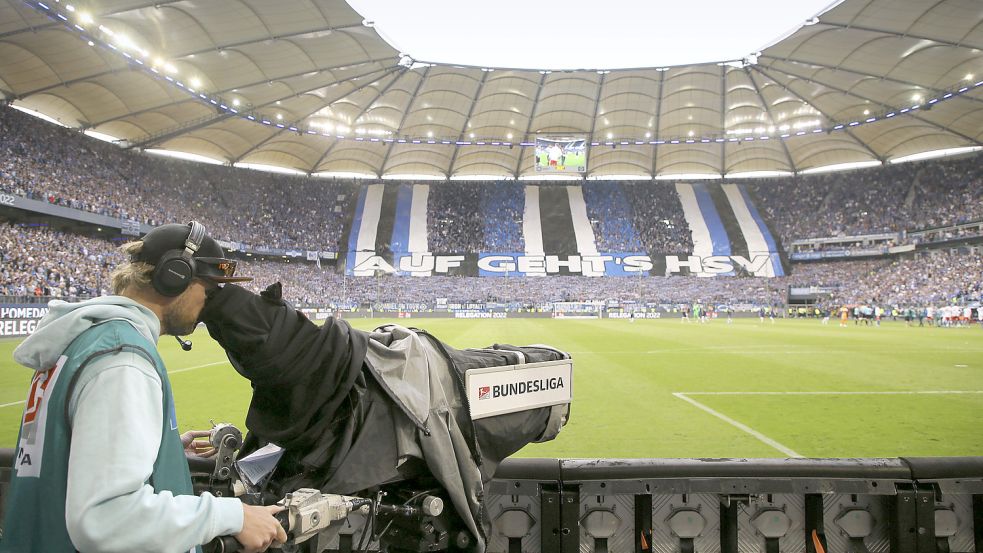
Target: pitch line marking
[198, 367]
[833, 393]
[739, 350]
[740, 426]
[21, 402]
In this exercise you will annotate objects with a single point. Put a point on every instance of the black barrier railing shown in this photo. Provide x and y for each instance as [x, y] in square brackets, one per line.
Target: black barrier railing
[894, 505]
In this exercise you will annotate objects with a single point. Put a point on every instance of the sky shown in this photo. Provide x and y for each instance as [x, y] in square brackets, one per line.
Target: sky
[584, 34]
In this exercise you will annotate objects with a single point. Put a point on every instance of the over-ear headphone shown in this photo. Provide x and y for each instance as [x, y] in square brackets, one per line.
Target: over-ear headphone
[176, 268]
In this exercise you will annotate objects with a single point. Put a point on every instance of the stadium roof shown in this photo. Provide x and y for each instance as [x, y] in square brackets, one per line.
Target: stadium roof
[307, 85]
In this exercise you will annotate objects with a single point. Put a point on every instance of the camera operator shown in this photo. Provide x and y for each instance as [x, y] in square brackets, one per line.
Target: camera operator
[100, 465]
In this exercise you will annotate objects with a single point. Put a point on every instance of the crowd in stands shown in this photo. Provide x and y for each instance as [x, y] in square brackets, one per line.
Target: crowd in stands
[892, 199]
[454, 217]
[836, 204]
[610, 215]
[61, 166]
[487, 217]
[949, 193]
[40, 261]
[657, 215]
[503, 205]
[936, 277]
[279, 211]
[304, 284]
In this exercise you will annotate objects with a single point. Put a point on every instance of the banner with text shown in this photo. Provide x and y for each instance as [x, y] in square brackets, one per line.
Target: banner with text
[513, 264]
[513, 388]
[20, 319]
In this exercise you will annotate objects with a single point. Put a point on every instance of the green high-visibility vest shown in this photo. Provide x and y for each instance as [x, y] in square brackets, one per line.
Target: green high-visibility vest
[35, 502]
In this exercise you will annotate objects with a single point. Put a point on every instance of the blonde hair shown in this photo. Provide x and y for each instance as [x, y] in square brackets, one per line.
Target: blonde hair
[131, 273]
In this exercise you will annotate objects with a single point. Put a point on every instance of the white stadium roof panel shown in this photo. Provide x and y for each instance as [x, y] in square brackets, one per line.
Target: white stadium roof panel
[212, 77]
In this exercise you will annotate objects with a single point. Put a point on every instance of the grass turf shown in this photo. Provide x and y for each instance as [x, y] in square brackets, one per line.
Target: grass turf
[626, 375]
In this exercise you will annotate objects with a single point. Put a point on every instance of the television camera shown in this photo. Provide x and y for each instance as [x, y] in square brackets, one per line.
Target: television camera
[399, 518]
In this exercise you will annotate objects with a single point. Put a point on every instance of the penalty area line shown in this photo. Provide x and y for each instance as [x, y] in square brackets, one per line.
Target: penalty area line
[739, 425]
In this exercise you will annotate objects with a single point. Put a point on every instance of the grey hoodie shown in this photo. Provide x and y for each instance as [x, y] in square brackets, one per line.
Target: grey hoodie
[65, 321]
[116, 431]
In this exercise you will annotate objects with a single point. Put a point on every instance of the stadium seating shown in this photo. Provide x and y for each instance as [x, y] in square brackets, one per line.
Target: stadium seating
[38, 261]
[62, 167]
[893, 198]
[41, 161]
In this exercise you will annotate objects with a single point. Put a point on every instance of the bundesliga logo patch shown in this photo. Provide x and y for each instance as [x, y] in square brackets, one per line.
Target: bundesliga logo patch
[484, 392]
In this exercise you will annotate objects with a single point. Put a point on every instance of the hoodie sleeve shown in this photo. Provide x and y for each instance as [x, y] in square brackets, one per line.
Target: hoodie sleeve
[116, 432]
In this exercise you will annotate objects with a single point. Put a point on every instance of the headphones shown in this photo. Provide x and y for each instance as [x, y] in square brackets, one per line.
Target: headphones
[176, 268]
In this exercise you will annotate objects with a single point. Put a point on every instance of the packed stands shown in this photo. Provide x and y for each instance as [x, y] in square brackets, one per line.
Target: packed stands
[454, 218]
[39, 261]
[611, 216]
[948, 193]
[61, 166]
[893, 198]
[936, 277]
[502, 217]
[657, 215]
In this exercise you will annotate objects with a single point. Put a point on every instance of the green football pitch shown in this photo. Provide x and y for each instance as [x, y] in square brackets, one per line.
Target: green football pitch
[661, 388]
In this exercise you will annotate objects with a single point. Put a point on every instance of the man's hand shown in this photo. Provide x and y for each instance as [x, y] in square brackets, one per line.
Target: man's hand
[259, 528]
[199, 448]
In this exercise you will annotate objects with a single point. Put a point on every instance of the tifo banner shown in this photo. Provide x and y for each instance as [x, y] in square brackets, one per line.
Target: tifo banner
[709, 236]
[512, 264]
[754, 230]
[389, 236]
[20, 319]
[610, 264]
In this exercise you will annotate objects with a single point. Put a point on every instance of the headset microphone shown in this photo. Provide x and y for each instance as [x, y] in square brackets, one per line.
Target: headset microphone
[185, 344]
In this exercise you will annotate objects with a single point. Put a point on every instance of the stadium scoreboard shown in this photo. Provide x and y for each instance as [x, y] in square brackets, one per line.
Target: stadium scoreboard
[561, 154]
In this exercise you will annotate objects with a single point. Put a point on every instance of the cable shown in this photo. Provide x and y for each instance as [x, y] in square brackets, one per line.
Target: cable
[384, 530]
[369, 528]
[411, 498]
[815, 542]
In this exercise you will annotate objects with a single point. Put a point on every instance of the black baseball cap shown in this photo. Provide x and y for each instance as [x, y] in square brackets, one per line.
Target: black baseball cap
[210, 260]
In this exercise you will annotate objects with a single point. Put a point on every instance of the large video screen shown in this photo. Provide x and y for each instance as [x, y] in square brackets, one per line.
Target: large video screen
[561, 154]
